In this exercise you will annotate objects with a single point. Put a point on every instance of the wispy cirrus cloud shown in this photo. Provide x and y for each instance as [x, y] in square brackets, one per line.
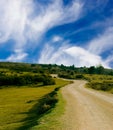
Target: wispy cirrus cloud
[13, 19]
[109, 59]
[18, 55]
[69, 55]
[102, 43]
[24, 20]
[91, 52]
[51, 54]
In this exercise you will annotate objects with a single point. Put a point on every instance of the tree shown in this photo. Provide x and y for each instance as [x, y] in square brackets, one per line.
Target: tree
[91, 70]
[100, 70]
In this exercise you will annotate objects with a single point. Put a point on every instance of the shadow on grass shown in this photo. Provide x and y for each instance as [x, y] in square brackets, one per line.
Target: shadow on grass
[43, 106]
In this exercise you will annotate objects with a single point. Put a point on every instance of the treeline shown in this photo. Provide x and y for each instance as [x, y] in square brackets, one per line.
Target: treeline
[20, 74]
[21, 80]
[54, 69]
[70, 70]
[63, 71]
[78, 73]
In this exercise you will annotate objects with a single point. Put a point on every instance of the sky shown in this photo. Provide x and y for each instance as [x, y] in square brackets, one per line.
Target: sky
[69, 32]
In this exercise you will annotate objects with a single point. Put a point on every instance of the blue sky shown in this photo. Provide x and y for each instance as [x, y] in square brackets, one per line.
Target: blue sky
[68, 32]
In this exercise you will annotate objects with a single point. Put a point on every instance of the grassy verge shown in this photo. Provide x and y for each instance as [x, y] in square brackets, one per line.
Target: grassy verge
[51, 120]
[16, 103]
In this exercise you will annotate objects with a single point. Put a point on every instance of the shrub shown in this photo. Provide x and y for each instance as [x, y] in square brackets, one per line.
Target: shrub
[20, 80]
[105, 86]
[80, 76]
[47, 102]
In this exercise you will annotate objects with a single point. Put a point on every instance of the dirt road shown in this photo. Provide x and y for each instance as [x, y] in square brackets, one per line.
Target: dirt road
[87, 109]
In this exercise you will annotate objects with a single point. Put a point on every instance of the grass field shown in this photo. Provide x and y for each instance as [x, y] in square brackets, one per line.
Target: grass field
[15, 103]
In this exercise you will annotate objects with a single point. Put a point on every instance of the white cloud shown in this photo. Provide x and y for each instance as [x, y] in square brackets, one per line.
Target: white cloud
[83, 57]
[54, 14]
[109, 59]
[70, 55]
[56, 39]
[50, 54]
[22, 20]
[17, 56]
[13, 18]
[102, 43]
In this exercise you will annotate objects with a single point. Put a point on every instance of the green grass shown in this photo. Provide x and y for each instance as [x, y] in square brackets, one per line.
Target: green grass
[52, 120]
[15, 103]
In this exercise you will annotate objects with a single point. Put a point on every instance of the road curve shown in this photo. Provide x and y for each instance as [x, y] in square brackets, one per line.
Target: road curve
[86, 109]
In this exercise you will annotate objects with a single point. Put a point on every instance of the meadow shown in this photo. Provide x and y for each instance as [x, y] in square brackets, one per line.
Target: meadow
[16, 103]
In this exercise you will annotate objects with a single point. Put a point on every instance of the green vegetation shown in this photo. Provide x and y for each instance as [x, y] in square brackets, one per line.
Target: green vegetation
[100, 82]
[71, 71]
[29, 97]
[45, 104]
[52, 69]
[19, 105]
[26, 79]
[15, 75]
[27, 92]
[52, 120]
[95, 81]
[99, 77]
[21, 74]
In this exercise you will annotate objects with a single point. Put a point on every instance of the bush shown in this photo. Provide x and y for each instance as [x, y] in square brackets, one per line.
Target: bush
[79, 76]
[20, 80]
[100, 85]
[47, 102]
